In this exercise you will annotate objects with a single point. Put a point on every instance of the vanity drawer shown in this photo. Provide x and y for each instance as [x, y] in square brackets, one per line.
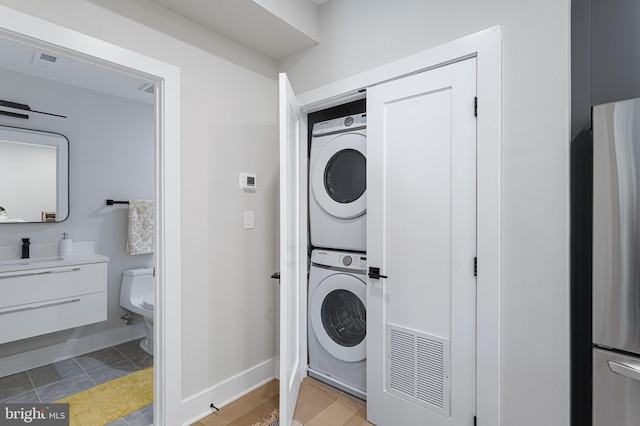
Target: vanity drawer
[43, 317]
[39, 285]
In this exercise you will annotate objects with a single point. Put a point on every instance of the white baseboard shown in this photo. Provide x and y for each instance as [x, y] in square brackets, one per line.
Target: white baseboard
[197, 406]
[69, 349]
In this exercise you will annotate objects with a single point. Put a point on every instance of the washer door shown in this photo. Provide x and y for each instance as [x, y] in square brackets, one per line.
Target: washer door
[339, 176]
[338, 313]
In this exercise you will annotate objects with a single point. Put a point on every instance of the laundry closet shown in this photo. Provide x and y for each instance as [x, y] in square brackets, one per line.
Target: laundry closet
[388, 315]
[336, 306]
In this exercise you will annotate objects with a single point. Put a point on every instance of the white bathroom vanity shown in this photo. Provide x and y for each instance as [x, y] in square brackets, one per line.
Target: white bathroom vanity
[46, 294]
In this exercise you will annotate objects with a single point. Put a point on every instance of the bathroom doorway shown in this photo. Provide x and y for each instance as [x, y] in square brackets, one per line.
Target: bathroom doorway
[20, 28]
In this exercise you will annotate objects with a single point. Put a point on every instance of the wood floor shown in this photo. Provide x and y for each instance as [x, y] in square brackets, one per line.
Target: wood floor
[318, 405]
[322, 405]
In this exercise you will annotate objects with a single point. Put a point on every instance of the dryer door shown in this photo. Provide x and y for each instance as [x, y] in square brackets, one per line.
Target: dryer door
[338, 176]
[338, 313]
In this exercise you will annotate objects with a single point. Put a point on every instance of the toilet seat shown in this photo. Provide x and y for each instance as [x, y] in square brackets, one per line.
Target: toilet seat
[147, 302]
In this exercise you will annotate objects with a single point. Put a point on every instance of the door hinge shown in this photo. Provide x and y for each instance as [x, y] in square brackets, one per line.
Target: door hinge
[475, 266]
[475, 106]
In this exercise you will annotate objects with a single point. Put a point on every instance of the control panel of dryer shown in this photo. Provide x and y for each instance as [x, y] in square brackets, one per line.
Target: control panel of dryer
[343, 124]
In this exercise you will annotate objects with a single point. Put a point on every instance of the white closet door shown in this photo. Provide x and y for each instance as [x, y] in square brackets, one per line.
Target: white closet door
[292, 252]
[421, 319]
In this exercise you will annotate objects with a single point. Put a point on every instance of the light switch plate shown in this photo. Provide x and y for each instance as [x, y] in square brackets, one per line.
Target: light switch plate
[248, 220]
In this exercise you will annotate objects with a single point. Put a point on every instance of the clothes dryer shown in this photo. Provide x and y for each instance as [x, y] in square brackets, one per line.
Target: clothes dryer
[337, 320]
[338, 184]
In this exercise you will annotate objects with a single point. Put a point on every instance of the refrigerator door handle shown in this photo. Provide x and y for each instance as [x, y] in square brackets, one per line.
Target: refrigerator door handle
[624, 370]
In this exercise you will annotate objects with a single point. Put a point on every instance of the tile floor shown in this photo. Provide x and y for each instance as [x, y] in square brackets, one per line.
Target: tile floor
[68, 377]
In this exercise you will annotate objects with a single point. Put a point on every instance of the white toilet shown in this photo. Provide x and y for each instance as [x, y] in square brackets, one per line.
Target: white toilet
[136, 295]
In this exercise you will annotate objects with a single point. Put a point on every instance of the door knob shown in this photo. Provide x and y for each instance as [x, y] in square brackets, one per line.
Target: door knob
[374, 273]
[275, 275]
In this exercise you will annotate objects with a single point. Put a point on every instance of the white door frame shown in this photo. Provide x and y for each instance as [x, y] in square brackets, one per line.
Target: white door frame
[23, 28]
[486, 47]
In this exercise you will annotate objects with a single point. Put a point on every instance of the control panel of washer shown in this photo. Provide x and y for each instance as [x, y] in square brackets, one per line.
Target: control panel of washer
[339, 259]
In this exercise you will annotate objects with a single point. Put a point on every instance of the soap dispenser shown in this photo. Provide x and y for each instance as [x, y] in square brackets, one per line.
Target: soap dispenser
[64, 246]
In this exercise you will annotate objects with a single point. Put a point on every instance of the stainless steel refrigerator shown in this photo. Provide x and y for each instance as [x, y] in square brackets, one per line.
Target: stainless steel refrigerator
[616, 264]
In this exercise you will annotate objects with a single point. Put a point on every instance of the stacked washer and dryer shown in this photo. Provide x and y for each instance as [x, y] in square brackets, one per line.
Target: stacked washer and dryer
[337, 222]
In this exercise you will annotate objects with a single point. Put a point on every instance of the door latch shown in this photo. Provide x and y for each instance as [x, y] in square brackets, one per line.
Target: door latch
[375, 273]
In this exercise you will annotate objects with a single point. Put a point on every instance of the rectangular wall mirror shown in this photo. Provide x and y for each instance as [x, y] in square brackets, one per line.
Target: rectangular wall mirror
[35, 176]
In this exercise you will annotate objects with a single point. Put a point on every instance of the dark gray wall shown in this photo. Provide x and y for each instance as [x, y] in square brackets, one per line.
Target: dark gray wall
[605, 56]
[580, 209]
[580, 66]
[615, 50]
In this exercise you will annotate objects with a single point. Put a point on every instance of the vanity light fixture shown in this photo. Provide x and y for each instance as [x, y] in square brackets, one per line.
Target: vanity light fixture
[18, 110]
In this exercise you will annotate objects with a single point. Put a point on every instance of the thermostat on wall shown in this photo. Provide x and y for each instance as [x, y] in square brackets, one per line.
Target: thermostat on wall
[248, 182]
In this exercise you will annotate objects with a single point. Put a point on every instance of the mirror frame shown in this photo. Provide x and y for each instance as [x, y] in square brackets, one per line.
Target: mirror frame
[61, 142]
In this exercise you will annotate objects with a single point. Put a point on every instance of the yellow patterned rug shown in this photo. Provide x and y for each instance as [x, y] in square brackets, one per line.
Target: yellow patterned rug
[110, 401]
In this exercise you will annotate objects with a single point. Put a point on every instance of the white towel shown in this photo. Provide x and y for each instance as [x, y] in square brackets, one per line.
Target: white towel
[141, 227]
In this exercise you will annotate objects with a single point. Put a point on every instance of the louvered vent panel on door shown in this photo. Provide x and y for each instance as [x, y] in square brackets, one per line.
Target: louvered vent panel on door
[431, 375]
[401, 362]
[417, 368]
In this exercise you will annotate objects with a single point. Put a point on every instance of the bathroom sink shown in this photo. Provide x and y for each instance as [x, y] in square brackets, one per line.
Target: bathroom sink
[31, 261]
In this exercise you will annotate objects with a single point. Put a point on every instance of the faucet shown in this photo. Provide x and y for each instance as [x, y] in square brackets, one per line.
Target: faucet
[25, 248]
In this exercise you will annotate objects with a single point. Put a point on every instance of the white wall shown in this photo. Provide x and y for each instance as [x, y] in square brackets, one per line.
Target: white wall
[356, 36]
[111, 148]
[228, 125]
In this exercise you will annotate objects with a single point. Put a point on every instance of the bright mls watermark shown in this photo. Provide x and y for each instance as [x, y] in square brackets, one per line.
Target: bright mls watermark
[34, 414]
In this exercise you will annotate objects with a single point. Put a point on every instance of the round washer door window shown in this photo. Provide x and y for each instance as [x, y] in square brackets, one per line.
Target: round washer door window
[338, 176]
[337, 309]
[344, 318]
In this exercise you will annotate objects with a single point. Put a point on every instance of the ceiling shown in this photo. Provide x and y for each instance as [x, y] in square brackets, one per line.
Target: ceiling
[274, 28]
[25, 59]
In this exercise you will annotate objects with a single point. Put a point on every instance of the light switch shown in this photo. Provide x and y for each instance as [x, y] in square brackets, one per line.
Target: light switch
[248, 220]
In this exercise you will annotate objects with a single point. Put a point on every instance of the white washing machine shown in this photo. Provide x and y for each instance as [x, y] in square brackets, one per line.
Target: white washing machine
[337, 320]
[338, 184]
